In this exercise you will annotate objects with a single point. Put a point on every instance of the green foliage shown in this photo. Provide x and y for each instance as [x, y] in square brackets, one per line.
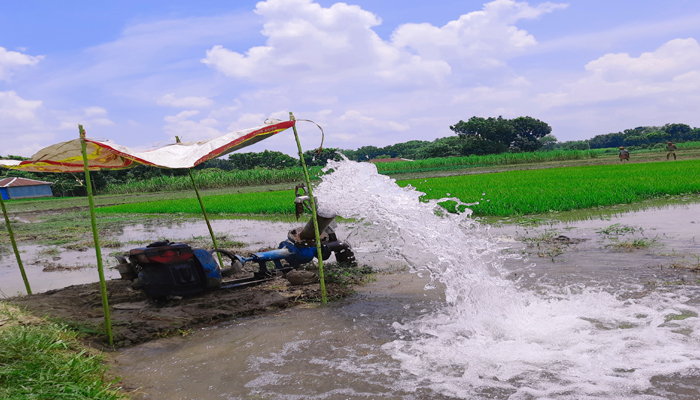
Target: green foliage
[561, 189]
[573, 145]
[313, 158]
[437, 149]
[646, 136]
[519, 134]
[434, 164]
[11, 157]
[549, 142]
[266, 159]
[212, 179]
[44, 361]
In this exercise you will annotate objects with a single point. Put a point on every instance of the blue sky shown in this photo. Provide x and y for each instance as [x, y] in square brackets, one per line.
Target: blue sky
[370, 72]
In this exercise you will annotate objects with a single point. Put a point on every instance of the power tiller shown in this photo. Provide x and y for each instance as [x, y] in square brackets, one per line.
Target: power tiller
[164, 268]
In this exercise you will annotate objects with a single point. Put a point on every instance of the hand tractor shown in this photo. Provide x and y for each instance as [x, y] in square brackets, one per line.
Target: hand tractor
[164, 269]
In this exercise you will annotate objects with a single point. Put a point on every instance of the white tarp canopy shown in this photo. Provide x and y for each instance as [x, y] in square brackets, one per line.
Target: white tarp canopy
[105, 154]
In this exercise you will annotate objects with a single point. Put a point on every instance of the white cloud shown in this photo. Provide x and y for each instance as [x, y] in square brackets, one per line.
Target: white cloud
[226, 112]
[314, 44]
[184, 102]
[189, 130]
[13, 107]
[89, 117]
[246, 120]
[12, 60]
[23, 130]
[353, 118]
[670, 71]
[676, 57]
[481, 38]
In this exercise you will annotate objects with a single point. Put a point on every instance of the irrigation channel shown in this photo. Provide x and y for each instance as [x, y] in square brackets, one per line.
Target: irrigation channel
[605, 308]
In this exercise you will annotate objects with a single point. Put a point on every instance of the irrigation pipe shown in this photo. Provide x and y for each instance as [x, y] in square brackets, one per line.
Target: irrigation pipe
[14, 246]
[204, 212]
[319, 254]
[95, 236]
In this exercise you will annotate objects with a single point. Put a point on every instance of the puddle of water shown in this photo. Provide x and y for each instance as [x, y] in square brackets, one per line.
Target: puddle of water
[504, 327]
[255, 234]
[259, 353]
[668, 236]
[83, 269]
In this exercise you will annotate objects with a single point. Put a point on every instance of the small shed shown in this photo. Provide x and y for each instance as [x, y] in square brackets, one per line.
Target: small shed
[22, 188]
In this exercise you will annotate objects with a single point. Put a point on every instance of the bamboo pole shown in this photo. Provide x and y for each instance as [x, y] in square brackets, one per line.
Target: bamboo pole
[95, 236]
[319, 254]
[14, 245]
[204, 212]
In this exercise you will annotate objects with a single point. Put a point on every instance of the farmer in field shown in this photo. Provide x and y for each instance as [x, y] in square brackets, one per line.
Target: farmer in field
[624, 154]
[671, 149]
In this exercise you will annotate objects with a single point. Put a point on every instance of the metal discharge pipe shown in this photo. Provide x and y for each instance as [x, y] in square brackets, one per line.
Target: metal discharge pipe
[308, 233]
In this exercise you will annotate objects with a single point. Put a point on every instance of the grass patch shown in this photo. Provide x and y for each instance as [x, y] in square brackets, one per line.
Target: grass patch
[347, 274]
[41, 360]
[619, 230]
[50, 252]
[633, 244]
[64, 228]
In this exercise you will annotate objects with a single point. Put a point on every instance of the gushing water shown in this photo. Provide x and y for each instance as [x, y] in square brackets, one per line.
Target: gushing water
[497, 338]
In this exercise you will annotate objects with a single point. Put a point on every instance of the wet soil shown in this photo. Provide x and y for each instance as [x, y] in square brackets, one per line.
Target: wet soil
[137, 319]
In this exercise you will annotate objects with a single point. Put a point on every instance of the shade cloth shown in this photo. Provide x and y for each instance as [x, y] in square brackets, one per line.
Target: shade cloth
[105, 154]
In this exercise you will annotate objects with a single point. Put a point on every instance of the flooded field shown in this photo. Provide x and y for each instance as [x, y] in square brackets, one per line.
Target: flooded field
[53, 267]
[584, 305]
[601, 308]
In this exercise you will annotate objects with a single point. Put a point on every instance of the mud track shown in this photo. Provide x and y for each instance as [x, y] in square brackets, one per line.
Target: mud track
[136, 319]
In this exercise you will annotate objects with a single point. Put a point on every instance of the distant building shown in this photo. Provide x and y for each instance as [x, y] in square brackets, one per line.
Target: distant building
[378, 160]
[22, 188]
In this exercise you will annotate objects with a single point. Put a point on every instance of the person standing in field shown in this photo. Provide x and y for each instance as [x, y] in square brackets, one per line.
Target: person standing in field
[624, 154]
[671, 149]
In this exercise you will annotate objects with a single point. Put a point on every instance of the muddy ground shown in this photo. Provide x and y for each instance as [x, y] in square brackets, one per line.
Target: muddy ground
[136, 319]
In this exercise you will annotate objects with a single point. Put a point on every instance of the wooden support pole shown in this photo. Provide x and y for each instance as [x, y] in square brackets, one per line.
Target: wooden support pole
[313, 214]
[204, 212]
[95, 236]
[14, 246]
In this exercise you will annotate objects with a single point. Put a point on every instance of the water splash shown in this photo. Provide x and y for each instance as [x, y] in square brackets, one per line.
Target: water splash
[495, 339]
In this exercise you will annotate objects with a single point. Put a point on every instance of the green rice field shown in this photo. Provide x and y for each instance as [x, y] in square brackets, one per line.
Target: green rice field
[276, 202]
[499, 194]
[562, 189]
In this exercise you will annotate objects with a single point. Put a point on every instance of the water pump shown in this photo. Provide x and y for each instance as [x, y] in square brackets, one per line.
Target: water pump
[174, 269]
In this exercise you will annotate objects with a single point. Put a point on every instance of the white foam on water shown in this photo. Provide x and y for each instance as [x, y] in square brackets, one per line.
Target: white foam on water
[494, 338]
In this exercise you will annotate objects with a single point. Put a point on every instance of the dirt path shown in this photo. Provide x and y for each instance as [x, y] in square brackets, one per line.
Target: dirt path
[136, 319]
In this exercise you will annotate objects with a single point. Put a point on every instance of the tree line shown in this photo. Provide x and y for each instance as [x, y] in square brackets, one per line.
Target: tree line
[644, 137]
